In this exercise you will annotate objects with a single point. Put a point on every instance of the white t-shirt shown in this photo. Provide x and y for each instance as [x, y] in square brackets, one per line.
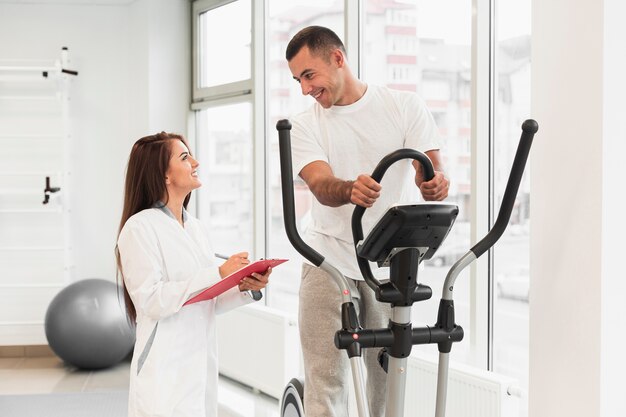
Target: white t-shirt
[353, 139]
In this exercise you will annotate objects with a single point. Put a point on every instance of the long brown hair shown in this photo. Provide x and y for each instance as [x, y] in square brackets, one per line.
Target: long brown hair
[144, 187]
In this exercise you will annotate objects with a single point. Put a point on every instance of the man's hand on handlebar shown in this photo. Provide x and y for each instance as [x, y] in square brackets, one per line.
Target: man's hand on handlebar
[364, 191]
[435, 189]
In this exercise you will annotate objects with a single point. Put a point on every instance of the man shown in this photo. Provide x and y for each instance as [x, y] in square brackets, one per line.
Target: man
[336, 144]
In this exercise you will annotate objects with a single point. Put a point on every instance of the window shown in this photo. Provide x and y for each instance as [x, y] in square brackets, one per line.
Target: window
[285, 100]
[222, 51]
[225, 200]
[234, 44]
[414, 45]
[439, 53]
[224, 122]
[511, 255]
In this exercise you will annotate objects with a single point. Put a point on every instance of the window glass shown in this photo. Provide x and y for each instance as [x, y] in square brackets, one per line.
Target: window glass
[286, 18]
[225, 48]
[418, 45]
[511, 254]
[226, 197]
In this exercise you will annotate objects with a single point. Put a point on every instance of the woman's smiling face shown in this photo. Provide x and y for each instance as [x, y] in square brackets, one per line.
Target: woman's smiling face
[182, 175]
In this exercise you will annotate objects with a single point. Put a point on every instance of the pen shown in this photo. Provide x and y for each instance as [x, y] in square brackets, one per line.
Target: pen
[219, 255]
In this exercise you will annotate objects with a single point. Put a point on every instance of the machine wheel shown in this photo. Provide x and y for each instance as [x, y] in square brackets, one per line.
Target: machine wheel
[292, 403]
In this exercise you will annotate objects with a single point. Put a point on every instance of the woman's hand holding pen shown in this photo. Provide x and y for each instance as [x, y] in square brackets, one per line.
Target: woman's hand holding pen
[254, 282]
[234, 263]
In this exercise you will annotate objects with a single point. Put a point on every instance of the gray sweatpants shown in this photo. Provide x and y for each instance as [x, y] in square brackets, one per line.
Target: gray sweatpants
[326, 368]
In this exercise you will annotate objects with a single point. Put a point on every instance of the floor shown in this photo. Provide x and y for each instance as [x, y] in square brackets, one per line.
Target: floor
[44, 375]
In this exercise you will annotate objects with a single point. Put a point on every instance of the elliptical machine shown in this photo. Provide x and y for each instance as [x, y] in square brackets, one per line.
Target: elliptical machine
[403, 237]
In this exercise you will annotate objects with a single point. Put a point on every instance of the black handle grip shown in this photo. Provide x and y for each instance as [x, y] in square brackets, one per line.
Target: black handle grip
[377, 175]
[529, 128]
[286, 178]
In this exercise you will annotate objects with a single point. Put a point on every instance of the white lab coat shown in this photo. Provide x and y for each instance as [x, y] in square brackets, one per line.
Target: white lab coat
[174, 371]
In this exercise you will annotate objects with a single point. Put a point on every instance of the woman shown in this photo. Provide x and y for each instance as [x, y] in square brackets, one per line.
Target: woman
[164, 258]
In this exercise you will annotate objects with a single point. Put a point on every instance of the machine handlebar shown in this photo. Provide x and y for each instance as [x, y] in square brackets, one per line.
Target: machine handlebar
[377, 175]
[289, 212]
[529, 128]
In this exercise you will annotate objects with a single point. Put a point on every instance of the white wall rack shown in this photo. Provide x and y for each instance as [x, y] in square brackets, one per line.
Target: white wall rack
[35, 237]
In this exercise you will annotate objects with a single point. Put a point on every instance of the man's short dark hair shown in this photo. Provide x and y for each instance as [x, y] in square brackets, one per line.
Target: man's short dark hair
[318, 39]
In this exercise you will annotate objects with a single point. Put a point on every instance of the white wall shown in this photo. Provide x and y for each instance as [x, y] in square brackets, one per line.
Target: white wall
[577, 364]
[133, 59]
[613, 361]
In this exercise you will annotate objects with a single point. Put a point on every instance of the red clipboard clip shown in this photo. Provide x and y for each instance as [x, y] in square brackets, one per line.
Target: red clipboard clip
[234, 279]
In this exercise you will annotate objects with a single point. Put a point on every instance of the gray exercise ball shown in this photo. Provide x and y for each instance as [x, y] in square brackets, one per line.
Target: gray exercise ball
[86, 324]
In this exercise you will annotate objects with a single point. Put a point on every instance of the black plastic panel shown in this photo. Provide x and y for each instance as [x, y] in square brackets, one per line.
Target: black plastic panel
[409, 226]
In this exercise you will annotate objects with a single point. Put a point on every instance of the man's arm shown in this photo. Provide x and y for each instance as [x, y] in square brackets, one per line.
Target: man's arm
[334, 192]
[437, 188]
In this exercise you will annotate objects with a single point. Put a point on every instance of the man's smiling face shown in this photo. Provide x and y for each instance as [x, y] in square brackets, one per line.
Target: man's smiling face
[318, 76]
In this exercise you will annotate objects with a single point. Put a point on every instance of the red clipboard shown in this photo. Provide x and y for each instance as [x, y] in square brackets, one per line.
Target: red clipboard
[234, 279]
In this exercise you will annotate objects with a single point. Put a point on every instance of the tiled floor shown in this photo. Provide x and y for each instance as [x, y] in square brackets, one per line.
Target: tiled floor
[41, 375]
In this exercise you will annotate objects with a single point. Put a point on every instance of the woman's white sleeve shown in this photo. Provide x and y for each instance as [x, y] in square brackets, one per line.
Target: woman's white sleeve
[230, 299]
[153, 293]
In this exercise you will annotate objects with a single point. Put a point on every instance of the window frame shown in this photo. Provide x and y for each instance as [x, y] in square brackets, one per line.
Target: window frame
[237, 88]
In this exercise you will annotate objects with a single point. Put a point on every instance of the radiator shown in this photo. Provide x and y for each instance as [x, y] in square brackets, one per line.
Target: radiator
[472, 392]
[259, 347]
